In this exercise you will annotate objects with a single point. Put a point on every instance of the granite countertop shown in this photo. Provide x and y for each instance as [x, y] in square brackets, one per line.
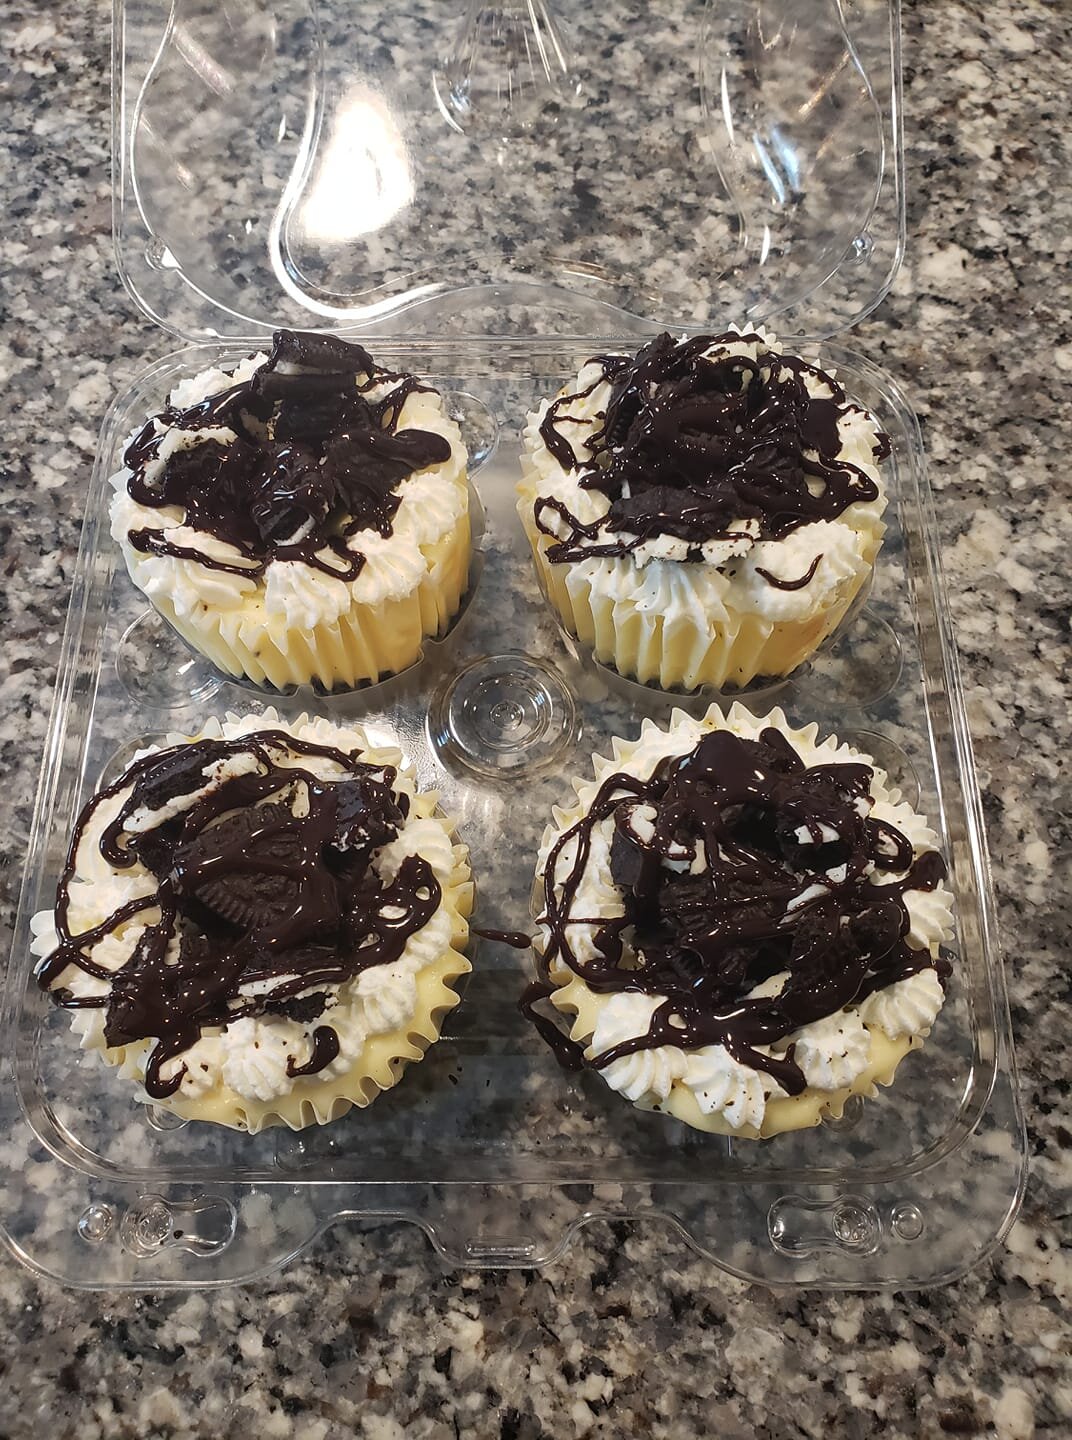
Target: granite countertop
[630, 1333]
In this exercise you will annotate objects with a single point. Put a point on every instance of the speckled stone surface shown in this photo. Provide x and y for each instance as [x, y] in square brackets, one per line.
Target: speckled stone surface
[628, 1334]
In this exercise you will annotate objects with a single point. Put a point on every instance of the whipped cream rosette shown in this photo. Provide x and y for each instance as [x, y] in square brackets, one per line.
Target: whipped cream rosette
[705, 512]
[301, 517]
[261, 924]
[742, 923]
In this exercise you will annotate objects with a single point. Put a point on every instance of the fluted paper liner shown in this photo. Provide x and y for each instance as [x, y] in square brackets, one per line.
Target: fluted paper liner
[579, 1004]
[695, 650]
[383, 1058]
[365, 643]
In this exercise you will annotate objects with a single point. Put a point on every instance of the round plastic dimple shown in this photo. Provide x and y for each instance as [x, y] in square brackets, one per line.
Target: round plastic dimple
[479, 427]
[159, 1118]
[889, 756]
[155, 667]
[906, 1221]
[146, 1226]
[860, 669]
[95, 1223]
[503, 715]
[853, 1226]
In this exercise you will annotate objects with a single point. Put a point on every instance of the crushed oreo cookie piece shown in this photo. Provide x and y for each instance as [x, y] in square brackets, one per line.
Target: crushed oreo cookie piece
[267, 896]
[314, 461]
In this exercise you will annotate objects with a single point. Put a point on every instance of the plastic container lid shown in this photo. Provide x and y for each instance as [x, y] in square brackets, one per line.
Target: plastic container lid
[499, 169]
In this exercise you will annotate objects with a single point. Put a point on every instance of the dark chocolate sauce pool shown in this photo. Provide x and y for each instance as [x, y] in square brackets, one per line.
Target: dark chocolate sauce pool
[314, 460]
[267, 877]
[783, 856]
[691, 445]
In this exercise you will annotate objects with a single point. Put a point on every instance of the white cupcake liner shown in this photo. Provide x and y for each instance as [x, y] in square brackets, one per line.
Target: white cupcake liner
[363, 645]
[693, 649]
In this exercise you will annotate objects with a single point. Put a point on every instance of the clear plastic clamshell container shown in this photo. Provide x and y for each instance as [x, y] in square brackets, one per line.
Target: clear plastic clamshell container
[488, 196]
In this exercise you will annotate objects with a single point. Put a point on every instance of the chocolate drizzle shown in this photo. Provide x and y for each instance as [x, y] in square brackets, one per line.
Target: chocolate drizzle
[313, 462]
[266, 892]
[704, 447]
[797, 584]
[325, 1049]
[515, 939]
[737, 863]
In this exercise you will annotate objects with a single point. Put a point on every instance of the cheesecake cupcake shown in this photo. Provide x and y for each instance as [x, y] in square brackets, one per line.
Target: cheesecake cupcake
[705, 512]
[261, 924]
[741, 924]
[300, 517]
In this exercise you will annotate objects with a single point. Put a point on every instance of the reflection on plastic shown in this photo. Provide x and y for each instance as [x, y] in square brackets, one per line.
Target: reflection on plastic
[796, 131]
[509, 67]
[364, 178]
[285, 160]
